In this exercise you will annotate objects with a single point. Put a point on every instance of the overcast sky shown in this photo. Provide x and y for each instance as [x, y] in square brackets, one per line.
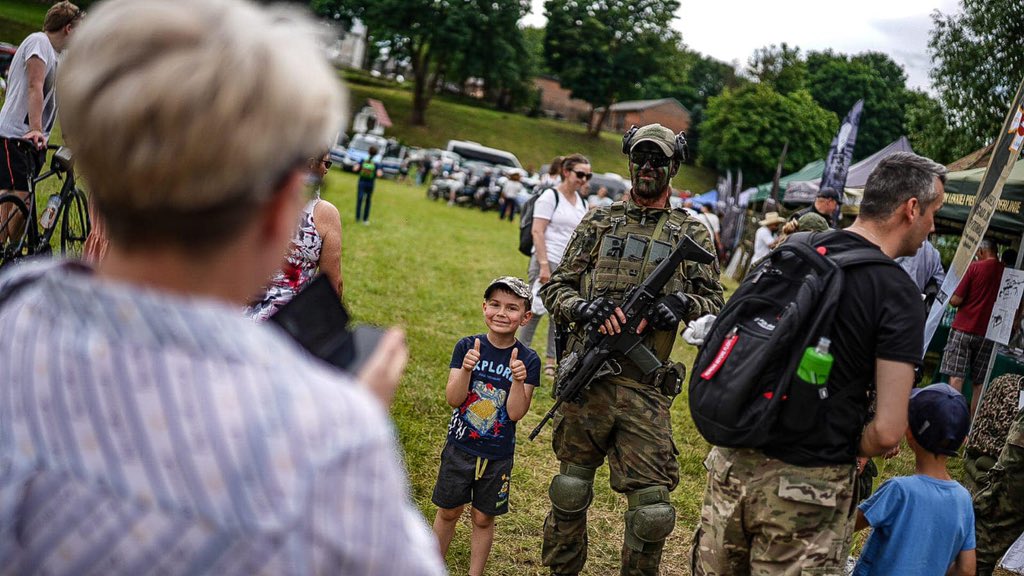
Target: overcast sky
[730, 30]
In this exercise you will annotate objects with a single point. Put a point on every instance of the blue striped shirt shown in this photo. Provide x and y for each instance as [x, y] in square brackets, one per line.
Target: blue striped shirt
[144, 432]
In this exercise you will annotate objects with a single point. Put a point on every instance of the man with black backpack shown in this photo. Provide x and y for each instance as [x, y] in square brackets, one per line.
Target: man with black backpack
[784, 384]
[624, 415]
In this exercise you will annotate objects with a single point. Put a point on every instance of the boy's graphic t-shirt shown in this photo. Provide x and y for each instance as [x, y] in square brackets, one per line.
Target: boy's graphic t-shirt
[481, 426]
[368, 170]
[919, 525]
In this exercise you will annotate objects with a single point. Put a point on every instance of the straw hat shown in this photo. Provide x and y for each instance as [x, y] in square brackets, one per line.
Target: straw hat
[772, 218]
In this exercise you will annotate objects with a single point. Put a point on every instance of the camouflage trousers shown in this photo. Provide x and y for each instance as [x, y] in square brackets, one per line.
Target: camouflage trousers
[633, 428]
[764, 517]
[999, 505]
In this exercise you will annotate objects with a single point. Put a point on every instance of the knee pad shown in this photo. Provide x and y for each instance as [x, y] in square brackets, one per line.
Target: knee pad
[572, 490]
[650, 518]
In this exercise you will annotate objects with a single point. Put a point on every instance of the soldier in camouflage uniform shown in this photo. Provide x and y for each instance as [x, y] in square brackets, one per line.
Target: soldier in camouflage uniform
[991, 424]
[625, 417]
[999, 501]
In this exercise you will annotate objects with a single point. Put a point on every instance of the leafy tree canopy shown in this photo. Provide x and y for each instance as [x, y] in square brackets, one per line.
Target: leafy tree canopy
[746, 128]
[602, 50]
[780, 67]
[977, 65]
[837, 81]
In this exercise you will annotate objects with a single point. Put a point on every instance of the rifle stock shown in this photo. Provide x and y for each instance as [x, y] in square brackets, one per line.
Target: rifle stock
[576, 373]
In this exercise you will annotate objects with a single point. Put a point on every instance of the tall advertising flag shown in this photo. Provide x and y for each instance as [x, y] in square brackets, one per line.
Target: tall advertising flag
[1007, 149]
[840, 155]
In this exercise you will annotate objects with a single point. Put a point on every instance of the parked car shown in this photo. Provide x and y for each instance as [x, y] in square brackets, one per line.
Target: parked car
[358, 149]
[475, 151]
[616, 185]
[6, 55]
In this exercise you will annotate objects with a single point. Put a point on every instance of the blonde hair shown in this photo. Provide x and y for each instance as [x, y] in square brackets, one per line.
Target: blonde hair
[187, 115]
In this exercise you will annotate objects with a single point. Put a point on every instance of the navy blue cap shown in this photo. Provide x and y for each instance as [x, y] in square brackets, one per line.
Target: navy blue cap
[939, 418]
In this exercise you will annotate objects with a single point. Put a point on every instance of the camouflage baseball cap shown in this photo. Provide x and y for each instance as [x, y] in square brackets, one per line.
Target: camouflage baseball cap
[658, 134]
[513, 285]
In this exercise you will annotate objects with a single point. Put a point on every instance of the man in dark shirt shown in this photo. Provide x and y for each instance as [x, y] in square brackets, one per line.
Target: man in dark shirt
[825, 204]
[785, 509]
[967, 349]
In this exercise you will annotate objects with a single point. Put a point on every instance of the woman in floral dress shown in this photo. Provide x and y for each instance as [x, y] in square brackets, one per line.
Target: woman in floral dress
[315, 247]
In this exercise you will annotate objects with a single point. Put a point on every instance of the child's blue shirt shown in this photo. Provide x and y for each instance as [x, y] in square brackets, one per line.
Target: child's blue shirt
[919, 525]
[481, 426]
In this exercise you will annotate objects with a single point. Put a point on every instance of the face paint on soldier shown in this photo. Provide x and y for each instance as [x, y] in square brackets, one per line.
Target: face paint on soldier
[650, 177]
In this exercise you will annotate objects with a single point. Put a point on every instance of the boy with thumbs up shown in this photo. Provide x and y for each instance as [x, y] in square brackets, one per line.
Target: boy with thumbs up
[489, 388]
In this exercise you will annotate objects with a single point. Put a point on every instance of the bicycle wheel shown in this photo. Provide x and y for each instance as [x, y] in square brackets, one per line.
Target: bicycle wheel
[13, 229]
[74, 223]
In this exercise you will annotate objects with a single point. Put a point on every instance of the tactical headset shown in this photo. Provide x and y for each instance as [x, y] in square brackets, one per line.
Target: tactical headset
[679, 154]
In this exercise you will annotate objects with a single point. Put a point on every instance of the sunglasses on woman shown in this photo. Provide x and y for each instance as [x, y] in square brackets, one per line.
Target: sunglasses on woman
[583, 175]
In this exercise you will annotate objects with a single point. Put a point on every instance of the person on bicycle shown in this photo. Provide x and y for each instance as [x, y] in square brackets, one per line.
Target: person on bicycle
[29, 112]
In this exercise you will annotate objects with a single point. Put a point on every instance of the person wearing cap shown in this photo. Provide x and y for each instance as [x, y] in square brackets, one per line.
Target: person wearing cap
[490, 385]
[923, 524]
[811, 222]
[784, 506]
[765, 235]
[825, 204]
[180, 437]
[625, 417]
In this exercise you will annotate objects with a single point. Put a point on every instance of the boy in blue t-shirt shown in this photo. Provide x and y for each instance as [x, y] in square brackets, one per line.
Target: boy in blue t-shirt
[923, 524]
[490, 387]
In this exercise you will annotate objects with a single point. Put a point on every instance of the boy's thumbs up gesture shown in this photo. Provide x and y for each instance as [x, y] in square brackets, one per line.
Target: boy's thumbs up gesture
[472, 356]
[517, 366]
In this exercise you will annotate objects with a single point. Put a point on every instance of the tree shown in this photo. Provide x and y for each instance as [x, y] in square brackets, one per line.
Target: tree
[977, 65]
[746, 128]
[436, 37]
[779, 67]
[602, 50]
[926, 127]
[837, 81]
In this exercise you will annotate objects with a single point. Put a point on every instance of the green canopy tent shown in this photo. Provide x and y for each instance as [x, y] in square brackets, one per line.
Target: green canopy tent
[961, 189]
[812, 171]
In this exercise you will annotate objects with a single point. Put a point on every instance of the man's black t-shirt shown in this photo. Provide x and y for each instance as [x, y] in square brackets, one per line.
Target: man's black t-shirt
[879, 316]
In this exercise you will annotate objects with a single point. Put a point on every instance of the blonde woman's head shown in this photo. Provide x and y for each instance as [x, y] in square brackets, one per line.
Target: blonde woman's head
[186, 116]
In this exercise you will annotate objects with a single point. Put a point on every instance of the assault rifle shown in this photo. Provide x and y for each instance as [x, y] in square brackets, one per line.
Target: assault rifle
[579, 369]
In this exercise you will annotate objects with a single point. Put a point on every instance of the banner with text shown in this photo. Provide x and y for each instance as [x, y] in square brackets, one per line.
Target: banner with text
[1004, 155]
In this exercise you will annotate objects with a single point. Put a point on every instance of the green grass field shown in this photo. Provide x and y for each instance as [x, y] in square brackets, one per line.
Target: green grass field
[19, 18]
[423, 265]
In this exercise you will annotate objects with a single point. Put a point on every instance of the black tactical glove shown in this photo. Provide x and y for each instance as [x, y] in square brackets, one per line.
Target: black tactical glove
[669, 311]
[597, 310]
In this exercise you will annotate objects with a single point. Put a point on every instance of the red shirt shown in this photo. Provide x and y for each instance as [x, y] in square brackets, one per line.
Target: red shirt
[978, 289]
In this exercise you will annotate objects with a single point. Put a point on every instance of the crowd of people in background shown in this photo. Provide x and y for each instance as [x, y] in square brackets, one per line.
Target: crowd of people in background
[163, 424]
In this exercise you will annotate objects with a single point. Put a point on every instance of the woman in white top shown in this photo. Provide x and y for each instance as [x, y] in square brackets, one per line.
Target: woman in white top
[556, 214]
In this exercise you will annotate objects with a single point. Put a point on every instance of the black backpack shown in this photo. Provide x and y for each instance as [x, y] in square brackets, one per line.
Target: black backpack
[526, 220]
[742, 379]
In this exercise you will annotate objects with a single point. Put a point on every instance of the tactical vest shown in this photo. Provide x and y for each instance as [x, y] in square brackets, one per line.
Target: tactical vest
[628, 247]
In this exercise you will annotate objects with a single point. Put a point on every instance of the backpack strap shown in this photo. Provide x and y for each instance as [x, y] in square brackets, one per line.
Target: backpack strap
[846, 258]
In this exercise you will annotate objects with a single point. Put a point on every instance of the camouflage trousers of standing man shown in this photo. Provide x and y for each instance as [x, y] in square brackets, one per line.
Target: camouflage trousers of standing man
[999, 502]
[764, 517]
[631, 425]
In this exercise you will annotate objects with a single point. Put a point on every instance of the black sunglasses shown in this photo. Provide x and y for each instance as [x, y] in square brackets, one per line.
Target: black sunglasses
[327, 164]
[655, 159]
[583, 175]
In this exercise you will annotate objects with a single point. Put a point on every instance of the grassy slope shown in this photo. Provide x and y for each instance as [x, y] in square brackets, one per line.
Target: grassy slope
[535, 141]
[423, 265]
[19, 18]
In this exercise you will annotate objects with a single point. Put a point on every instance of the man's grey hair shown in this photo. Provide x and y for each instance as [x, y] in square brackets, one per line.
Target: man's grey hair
[898, 178]
[987, 245]
[187, 115]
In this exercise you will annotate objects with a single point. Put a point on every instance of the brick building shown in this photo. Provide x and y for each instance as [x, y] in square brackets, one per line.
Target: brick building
[558, 102]
[665, 111]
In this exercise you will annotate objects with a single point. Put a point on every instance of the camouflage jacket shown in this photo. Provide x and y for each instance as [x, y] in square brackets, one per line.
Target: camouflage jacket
[995, 415]
[615, 247]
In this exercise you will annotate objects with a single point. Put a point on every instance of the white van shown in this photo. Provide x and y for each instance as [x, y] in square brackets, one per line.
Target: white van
[476, 151]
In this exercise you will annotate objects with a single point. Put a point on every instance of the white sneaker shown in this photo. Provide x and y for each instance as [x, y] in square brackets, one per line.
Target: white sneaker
[366, 222]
